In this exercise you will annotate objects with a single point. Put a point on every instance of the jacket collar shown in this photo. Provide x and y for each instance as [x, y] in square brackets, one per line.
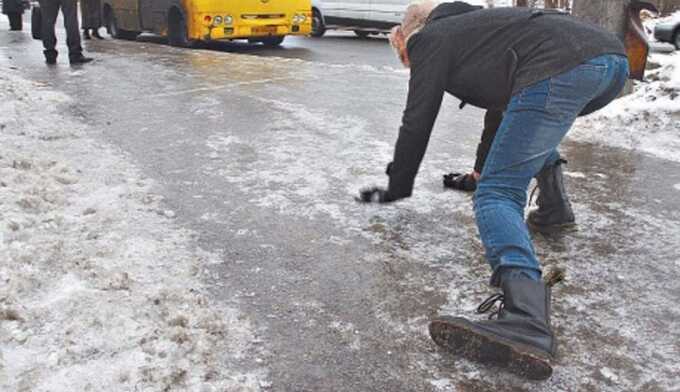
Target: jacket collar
[445, 10]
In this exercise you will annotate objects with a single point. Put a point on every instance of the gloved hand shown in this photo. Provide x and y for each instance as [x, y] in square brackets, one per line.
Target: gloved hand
[374, 195]
[460, 182]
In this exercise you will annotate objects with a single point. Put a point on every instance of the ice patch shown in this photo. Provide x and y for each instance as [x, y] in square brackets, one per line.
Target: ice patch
[315, 186]
[575, 174]
[443, 385]
[609, 374]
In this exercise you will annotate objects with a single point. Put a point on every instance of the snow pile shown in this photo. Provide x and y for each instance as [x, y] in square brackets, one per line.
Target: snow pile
[100, 290]
[647, 120]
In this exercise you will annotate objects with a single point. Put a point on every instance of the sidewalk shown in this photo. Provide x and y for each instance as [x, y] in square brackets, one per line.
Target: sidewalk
[100, 290]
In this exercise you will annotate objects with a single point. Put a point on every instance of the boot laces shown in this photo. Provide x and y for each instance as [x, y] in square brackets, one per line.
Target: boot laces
[489, 304]
[555, 276]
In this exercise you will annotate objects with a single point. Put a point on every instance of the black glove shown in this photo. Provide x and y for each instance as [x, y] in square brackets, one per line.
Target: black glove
[460, 182]
[374, 195]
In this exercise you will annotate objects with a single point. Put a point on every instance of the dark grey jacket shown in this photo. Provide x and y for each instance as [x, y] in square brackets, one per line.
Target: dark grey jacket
[483, 57]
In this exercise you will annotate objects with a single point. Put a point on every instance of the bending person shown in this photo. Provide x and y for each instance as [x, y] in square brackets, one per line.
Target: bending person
[543, 68]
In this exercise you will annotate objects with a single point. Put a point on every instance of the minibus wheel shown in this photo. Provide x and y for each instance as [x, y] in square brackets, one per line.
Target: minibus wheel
[115, 31]
[272, 41]
[177, 30]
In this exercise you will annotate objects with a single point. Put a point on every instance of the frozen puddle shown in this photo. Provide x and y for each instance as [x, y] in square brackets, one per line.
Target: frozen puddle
[101, 290]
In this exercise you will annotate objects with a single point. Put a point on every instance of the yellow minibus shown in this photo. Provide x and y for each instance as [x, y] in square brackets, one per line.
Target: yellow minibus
[187, 22]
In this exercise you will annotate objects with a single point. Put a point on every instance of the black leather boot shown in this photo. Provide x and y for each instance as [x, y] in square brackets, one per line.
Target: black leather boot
[519, 339]
[79, 59]
[554, 210]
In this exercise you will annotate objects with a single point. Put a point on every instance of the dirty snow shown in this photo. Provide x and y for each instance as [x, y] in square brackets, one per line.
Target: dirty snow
[647, 120]
[101, 290]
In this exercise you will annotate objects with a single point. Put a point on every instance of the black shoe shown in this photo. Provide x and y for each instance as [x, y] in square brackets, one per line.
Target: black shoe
[554, 210]
[80, 59]
[50, 56]
[86, 34]
[519, 340]
[460, 182]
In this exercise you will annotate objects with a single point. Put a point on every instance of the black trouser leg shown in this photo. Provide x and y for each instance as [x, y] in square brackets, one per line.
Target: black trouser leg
[70, 11]
[15, 22]
[49, 11]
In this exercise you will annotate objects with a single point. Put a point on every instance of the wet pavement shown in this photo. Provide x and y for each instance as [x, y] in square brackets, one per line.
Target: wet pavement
[260, 152]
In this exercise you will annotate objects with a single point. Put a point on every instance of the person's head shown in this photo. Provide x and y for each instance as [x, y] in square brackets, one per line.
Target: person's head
[414, 19]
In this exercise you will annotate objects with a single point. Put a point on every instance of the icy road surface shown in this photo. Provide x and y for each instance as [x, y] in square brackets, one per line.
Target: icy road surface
[248, 164]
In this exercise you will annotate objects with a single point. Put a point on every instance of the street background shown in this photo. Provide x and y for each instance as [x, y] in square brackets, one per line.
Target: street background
[254, 156]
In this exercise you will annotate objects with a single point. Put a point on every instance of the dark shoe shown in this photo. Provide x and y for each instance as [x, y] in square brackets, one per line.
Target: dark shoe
[80, 59]
[86, 34]
[554, 210]
[460, 182]
[519, 340]
[95, 33]
[50, 56]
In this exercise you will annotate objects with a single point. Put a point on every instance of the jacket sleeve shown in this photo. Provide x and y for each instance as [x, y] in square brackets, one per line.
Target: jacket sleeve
[429, 74]
[492, 120]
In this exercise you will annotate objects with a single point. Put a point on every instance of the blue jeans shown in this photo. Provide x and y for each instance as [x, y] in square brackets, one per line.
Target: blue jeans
[535, 122]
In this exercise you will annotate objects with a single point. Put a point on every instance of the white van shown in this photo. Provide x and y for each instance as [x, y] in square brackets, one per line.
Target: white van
[366, 17]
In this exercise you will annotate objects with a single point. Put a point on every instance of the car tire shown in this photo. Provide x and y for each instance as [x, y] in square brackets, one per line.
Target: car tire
[361, 34]
[676, 39]
[272, 41]
[318, 28]
[115, 31]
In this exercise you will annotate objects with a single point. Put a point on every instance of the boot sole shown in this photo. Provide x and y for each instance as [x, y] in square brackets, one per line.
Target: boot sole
[460, 337]
[552, 229]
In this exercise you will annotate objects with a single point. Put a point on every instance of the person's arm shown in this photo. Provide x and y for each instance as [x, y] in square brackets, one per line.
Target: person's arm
[429, 74]
[492, 120]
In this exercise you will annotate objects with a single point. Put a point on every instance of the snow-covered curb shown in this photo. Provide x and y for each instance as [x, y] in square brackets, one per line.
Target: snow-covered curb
[647, 120]
[99, 290]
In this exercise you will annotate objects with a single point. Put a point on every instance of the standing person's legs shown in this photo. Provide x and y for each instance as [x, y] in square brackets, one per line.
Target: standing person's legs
[70, 11]
[49, 9]
[15, 21]
[520, 338]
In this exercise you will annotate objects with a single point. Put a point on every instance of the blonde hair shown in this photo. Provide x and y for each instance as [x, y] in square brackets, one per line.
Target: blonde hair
[414, 19]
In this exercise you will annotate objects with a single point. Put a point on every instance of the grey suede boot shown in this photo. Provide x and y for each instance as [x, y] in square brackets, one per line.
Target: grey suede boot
[519, 339]
[554, 210]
